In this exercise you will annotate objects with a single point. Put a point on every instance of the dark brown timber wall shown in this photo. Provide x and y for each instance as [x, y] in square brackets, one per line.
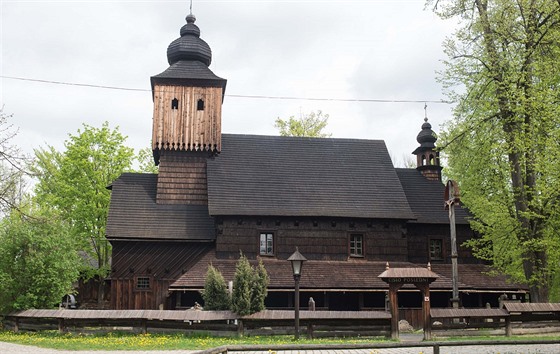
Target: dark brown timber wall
[156, 264]
[317, 238]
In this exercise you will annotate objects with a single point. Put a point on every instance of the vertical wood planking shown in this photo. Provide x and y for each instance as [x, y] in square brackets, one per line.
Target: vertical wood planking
[187, 128]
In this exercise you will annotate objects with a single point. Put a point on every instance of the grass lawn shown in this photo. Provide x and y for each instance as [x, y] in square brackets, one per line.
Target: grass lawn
[129, 341]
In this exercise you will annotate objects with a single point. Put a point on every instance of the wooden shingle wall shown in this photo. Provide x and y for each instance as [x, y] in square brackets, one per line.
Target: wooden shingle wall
[161, 262]
[182, 178]
[316, 238]
[183, 125]
[419, 236]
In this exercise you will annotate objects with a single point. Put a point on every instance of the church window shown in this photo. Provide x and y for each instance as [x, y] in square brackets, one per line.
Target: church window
[200, 105]
[174, 103]
[143, 283]
[356, 245]
[266, 244]
[436, 249]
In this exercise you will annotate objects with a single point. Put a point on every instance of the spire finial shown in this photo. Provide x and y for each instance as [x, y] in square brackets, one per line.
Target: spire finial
[429, 266]
[190, 17]
[387, 266]
[425, 112]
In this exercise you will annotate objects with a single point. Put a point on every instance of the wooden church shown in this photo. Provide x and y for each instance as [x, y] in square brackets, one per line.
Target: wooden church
[339, 201]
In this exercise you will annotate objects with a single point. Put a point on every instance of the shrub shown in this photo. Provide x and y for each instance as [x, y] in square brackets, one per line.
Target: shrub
[215, 294]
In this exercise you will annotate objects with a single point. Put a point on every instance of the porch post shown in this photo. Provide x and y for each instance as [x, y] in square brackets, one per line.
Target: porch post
[425, 289]
[394, 303]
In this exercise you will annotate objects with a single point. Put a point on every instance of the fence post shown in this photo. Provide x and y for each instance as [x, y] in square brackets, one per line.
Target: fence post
[61, 325]
[311, 307]
[436, 348]
[508, 327]
[240, 329]
[144, 326]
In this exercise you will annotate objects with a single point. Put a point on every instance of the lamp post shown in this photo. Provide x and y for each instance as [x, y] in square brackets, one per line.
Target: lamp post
[297, 260]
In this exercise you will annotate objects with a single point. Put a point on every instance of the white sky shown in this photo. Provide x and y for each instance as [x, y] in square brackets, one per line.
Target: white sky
[382, 50]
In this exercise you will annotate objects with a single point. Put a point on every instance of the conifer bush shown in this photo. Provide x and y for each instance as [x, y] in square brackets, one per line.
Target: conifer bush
[215, 294]
[249, 287]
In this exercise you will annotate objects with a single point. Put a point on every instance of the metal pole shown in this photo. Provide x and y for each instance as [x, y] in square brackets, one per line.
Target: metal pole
[296, 278]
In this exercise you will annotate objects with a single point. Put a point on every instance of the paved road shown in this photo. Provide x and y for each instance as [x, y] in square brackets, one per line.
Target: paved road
[500, 349]
[7, 348]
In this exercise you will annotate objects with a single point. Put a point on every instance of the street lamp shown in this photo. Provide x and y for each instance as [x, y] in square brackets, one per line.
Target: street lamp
[297, 260]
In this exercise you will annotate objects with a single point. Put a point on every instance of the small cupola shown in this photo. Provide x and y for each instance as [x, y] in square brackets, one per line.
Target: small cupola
[427, 156]
[189, 46]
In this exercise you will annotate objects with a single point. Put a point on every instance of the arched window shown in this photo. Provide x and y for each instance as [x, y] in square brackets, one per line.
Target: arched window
[200, 105]
[423, 160]
[174, 103]
[431, 160]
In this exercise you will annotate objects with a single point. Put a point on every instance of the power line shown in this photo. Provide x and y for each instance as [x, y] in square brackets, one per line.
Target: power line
[371, 100]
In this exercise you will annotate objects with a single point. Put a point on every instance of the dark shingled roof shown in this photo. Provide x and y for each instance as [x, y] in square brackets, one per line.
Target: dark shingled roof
[425, 198]
[346, 275]
[134, 214]
[295, 176]
[187, 69]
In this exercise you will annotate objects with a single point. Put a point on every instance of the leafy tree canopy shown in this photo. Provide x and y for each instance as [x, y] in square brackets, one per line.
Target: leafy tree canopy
[308, 125]
[74, 183]
[38, 259]
[12, 166]
[502, 145]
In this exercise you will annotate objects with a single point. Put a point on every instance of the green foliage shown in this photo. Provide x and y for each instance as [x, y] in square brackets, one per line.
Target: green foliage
[12, 166]
[249, 287]
[74, 183]
[259, 288]
[310, 125]
[242, 283]
[502, 145]
[215, 295]
[38, 259]
[145, 158]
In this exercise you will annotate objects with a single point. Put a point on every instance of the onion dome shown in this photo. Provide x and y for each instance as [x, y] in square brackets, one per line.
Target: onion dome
[189, 46]
[427, 137]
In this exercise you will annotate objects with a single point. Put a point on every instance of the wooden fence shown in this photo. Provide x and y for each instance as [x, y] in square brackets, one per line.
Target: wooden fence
[516, 318]
[316, 323]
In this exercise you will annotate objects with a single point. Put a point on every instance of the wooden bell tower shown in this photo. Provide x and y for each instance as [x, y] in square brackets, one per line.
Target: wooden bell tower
[187, 118]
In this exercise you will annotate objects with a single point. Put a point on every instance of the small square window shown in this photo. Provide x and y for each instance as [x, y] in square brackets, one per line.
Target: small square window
[356, 245]
[143, 283]
[267, 244]
[436, 249]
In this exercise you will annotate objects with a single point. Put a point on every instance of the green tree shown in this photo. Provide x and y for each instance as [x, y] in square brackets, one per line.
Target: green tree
[74, 183]
[502, 144]
[145, 158]
[259, 288]
[12, 166]
[215, 294]
[250, 286]
[242, 283]
[38, 259]
[309, 125]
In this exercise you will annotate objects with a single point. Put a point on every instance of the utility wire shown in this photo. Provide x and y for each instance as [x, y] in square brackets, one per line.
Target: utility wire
[373, 100]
